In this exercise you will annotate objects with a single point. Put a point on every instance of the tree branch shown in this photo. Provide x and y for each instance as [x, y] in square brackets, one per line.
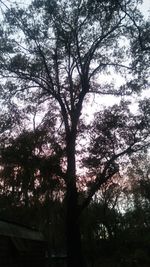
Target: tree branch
[109, 170]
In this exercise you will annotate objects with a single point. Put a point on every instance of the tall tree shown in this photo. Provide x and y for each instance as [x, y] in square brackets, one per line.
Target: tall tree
[54, 52]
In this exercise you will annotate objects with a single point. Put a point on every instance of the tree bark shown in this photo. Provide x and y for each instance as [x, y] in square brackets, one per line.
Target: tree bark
[74, 246]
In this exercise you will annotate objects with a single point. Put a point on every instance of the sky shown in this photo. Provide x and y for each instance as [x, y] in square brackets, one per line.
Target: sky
[146, 8]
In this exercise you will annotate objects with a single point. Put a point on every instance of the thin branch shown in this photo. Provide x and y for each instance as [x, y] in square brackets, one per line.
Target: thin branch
[45, 63]
[56, 66]
[138, 28]
[108, 64]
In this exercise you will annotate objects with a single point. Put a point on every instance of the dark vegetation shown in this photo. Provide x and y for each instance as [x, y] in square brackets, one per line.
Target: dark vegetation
[84, 184]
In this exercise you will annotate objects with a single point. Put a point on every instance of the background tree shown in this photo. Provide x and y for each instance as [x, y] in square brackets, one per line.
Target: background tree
[31, 186]
[139, 175]
[54, 52]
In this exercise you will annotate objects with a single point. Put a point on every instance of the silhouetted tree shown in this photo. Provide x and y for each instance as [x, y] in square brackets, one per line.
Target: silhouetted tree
[53, 52]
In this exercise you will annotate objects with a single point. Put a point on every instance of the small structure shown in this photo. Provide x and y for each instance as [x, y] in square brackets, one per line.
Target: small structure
[59, 260]
[21, 246]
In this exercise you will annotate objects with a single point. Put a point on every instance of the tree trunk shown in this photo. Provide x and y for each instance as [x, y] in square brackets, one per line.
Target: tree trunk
[74, 247]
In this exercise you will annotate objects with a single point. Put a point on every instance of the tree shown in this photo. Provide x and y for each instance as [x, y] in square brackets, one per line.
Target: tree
[139, 175]
[31, 186]
[27, 172]
[53, 52]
